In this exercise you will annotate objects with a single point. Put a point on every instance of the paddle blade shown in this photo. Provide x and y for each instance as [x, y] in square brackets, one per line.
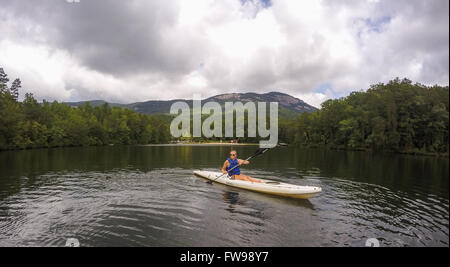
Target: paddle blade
[260, 151]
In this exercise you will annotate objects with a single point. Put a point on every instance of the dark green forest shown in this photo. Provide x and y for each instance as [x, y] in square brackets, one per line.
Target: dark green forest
[398, 116]
[30, 124]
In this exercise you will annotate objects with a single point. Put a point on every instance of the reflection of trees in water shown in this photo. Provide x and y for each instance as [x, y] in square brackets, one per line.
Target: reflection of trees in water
[21, 169]
[396, 171]
[29, 164]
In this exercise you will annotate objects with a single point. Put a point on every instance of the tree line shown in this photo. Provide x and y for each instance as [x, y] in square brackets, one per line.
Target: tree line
[398, 116]
[29, 124]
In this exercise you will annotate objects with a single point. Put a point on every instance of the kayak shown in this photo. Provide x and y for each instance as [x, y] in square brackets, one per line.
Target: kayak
[268, 186]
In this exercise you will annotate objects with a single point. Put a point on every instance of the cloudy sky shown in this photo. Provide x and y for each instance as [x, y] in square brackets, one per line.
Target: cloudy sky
[137, 50]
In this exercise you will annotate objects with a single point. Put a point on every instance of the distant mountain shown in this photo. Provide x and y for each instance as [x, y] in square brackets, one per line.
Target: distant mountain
[289, 105]
[95, 103]
[286, 101]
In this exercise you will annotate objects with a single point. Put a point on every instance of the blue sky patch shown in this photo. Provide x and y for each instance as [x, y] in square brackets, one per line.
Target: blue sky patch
[322, 88]
[264, 3]
[376, 25]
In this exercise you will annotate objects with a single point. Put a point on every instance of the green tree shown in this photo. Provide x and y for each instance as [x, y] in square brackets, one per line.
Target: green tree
[3, 81]
[397, 116]
[15, 87]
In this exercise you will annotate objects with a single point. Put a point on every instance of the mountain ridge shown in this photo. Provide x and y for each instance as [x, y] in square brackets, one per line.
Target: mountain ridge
[286, 102]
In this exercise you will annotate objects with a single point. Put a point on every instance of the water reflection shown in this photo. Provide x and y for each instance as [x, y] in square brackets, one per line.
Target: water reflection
[231, 198]
[148, 196]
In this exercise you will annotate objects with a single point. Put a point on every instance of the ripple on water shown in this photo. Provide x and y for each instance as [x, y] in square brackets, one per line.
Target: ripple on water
[402, 218]
[172, 207]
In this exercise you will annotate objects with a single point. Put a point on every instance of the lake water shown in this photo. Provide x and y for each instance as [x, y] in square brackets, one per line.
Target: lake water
[148, 196]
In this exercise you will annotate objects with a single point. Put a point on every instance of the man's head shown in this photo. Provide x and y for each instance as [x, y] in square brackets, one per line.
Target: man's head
[233, 154]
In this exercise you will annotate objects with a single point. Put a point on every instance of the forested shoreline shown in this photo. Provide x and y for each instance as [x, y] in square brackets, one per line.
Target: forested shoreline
[29, 124]
[399, 117]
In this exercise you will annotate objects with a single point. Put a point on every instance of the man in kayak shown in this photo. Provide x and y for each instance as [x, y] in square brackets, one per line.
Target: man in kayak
[235, 173]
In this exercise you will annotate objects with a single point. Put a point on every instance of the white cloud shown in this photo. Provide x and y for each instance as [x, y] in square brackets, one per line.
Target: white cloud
[162, 51]
[315, 99]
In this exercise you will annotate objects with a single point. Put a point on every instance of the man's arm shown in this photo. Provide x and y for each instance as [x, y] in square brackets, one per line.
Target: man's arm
[224, 167]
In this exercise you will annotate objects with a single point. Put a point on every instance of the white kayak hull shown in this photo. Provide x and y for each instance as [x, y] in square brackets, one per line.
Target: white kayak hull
[268, 187]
